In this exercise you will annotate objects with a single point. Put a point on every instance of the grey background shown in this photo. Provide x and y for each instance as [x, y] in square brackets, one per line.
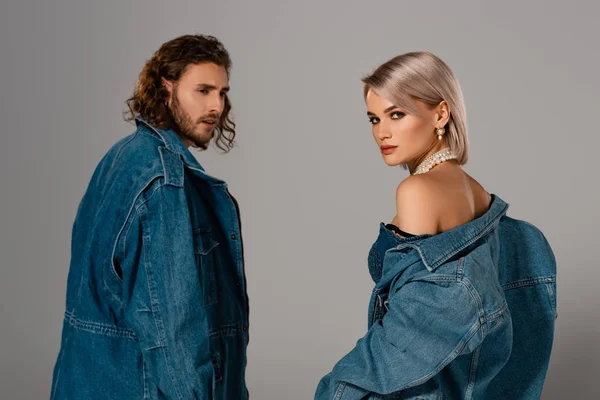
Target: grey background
[311, 183]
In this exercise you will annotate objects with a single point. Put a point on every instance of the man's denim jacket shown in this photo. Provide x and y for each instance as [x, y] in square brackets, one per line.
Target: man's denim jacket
[156, 302]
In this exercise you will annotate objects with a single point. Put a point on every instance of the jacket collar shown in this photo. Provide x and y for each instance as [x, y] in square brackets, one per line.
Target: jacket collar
[172, 142]
[434, 250]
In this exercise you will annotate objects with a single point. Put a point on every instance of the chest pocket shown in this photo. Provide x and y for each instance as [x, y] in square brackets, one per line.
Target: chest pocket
[205, 252]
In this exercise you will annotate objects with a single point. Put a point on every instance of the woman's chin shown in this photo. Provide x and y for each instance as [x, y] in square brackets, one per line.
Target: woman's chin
[392, 161]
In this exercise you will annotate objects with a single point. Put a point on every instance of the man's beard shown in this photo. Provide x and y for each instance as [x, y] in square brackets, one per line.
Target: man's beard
[186, 128]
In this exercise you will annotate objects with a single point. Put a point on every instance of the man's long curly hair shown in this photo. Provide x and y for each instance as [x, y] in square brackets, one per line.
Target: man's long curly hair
[169, 62]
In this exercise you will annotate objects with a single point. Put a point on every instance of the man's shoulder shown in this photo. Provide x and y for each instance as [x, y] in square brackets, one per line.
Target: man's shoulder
[132, 163]
[139, 147]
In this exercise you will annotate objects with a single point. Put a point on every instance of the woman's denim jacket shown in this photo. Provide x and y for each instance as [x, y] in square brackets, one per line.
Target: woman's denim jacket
[466, 314]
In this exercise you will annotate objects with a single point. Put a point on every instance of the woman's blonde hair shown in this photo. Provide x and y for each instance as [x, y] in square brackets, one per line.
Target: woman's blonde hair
[425, 77]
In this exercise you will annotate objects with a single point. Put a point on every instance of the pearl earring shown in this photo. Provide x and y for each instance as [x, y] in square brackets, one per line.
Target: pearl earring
[439, 132]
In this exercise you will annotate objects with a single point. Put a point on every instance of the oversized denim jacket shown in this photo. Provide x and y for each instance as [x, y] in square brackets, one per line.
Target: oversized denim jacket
[466, 314]
[156, 303]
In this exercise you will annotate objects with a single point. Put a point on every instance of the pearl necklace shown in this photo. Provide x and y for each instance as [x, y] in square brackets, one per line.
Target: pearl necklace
[436, 158]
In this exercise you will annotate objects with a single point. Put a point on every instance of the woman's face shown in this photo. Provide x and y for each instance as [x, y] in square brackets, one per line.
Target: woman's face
[403, 137]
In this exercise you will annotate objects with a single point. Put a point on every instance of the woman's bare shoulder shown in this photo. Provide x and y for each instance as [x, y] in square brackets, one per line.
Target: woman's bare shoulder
[418, 201]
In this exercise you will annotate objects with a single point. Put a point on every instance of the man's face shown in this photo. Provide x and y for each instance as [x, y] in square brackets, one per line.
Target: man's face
[196, 102]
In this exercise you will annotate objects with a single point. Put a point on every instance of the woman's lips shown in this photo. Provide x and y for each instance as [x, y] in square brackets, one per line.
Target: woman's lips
[387, 150]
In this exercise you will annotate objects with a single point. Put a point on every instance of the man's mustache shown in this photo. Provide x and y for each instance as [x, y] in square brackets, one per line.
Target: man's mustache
[210, 117]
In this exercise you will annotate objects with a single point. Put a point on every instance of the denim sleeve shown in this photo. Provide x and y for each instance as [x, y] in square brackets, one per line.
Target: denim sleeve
[428, 324]
[161, 292]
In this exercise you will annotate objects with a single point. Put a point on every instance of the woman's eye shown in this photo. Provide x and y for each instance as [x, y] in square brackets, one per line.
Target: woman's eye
[373, 120]
[396, 115]
[203, 91]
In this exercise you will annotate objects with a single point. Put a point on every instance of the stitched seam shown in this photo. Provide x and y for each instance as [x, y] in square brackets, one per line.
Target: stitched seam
[552, 298]
[166, 170]
[225, 331]
[440, 278]
[460, 268]
[340, 391]
[456, 249]
[473, 374]
[459, 347]
[495, 314]
[528, 282]
[128, 224]
[168, 147]
[457, 350]
[99, 328]
[112, 257]
[422, 255]
[126, 143]
[144, 132]
[150, 127]
[150, 196]
[475, 295]
[155, 312]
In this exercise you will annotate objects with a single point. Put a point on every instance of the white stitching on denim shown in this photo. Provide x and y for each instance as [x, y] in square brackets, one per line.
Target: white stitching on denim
[460, 268]
[340, 391]
[167, 174]
[131, 209]
[475, 295]
[142, 202]
[99, 328]
[150, 127]
[528, 282]
[127, 142]
[552, 296]
[146, 392]
[457, 350]
[153, 303]
[475, 238]
[496, 314]
[472, 374]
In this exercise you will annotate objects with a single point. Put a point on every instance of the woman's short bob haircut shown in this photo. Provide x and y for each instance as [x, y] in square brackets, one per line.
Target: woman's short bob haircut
[423, 76]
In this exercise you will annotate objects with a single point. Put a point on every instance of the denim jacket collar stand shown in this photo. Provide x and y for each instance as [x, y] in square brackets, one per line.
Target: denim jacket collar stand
[434, 250]
[175, 145]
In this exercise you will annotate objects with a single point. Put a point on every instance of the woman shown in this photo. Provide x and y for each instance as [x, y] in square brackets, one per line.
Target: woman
[464, 300]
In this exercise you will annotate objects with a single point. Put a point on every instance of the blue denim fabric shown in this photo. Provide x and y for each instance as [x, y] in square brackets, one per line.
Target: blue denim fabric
[156, 303]
[465, 314]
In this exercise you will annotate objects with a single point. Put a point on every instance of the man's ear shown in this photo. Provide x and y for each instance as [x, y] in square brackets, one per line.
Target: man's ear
[167, 85]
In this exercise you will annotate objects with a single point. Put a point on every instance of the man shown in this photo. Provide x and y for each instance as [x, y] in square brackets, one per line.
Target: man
[156, 295]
